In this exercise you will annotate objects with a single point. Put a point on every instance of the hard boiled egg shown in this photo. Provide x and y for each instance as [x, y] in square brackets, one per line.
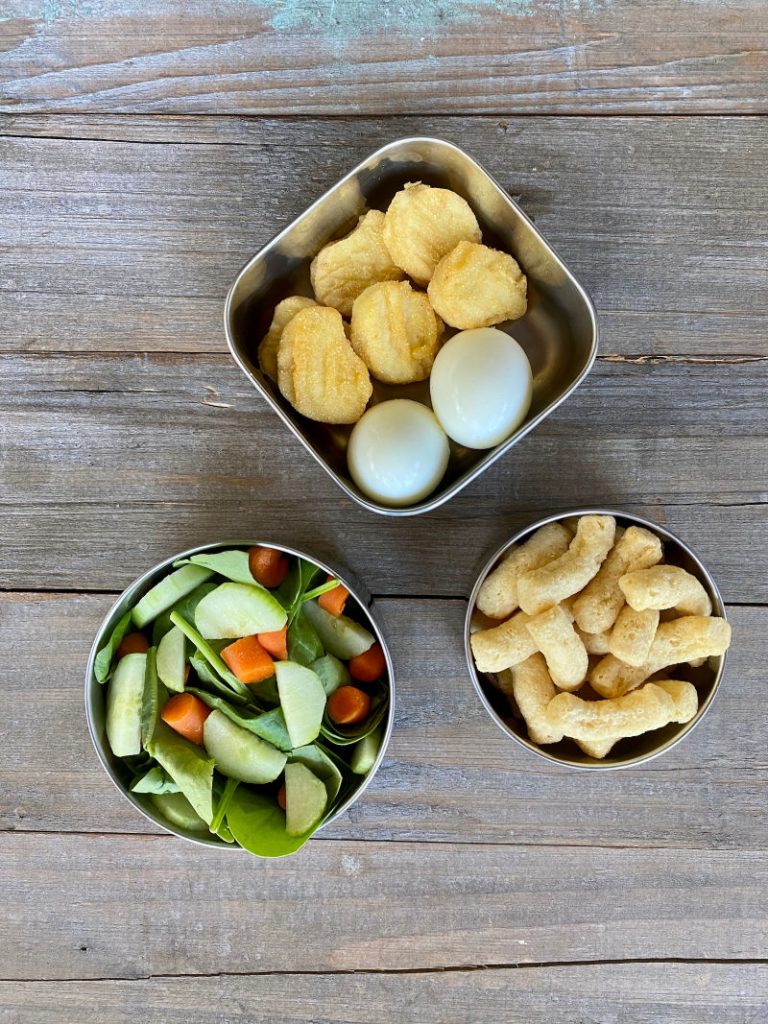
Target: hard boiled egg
[397, 452]
[481, 387]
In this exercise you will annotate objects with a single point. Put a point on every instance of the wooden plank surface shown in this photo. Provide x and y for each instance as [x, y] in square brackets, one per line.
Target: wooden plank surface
[124, 234]
[363, 56]
[144, 906]
[608, 993]
[449, 775]
[111, 462]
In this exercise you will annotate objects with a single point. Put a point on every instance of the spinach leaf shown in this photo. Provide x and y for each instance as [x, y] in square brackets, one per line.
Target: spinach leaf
[258, 824]
[291, 592]
[188, 767]
[154, 697]
[156, 780]
[103, 660]
[304, 645]
[213, 659]
[269, 725]
[310, 595]
[233, 565]
[224, 802]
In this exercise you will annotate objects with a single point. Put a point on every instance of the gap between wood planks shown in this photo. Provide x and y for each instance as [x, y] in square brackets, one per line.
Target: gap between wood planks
[408, 971]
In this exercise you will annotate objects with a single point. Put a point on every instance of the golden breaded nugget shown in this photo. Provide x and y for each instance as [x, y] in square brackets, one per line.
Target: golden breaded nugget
[285, 311]
[685, 639]
[502, 646]
[497, 596]
[665, 586]
[423, 224]
[343, 270]
[563, 651]
[318, 372]
[475, 286]
[601, 601]
[395, 332]
[684, 695]
[539, 589]
[533, 689]
[594, 643]
[594, 720]
[632, 635]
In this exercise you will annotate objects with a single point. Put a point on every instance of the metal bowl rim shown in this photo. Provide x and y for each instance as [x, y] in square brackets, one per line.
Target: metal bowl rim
[493, 453]
[148, 577]
[667, 535]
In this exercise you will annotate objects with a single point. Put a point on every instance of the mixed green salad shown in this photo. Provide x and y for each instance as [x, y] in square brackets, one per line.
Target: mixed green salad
[241, 699]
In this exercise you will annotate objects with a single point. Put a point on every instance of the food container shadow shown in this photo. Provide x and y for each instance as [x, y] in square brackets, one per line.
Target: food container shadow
[558, 333]
[628, 752]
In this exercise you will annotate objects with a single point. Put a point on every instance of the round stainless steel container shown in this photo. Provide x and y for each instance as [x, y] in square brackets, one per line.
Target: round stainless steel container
[95, 693]
[627, 752]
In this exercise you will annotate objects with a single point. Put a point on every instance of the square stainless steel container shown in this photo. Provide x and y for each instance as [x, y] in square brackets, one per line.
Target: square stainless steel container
[558, 332]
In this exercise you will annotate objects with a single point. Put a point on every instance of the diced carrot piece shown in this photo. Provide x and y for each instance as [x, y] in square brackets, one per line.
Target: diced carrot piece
[268, 566]
[348, 705]
[133, 643]
[275, 643]
[248, 660]
[369, 665]
[186, 713]
[333, 601]
[281, 796]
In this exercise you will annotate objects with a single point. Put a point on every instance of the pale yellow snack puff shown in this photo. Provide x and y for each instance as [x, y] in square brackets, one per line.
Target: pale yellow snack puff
[533, 689]
[601, 720]
[563, 651]
[498, 595]
[597, 607]
[539, 589]
[684, 639]
[597, 748]
[343, 270]
[684, 695]
[632, 635]
[665, 586]
[284, 312]
[422, 224]
[476, 286]
[502, 646]
[317, 370]
[595, 643]
[395, 332]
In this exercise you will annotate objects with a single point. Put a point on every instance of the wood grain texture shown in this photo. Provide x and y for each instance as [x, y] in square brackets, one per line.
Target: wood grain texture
[449, 774]
[367, 57]
[144, 906]
[125, 233]
[112, 462]
[608, 993]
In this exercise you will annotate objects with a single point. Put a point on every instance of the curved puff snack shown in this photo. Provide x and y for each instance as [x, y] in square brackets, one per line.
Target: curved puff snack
[563, 651]
[665, 586]
[502, 646]
[497, 596]
[633, 634]
[533, 689]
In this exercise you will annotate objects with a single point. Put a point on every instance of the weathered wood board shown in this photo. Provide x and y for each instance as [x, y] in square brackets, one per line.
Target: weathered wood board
[367, 57]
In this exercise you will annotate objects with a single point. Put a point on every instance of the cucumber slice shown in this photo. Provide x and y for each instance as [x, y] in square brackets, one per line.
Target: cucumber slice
[318, 762]
[365, 753]
[171, 659]
[168, 591]
[185, 607]
[234, 565]
[305, 799]
[124, 703]
[187, 765]
[339, 634]
[302, 699]
[237, 609]
[179, 811]
[333, 673]
[238, 753]
[154, 697]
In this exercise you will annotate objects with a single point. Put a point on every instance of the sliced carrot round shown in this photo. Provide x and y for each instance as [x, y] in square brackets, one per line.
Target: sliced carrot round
[348, 705]
[133, 643]
[369, 665]
[186, 713]
[281, 796]
[268, 566]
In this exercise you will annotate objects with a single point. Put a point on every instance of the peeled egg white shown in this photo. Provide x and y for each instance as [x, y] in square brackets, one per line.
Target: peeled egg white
[481, 387]
[397, 452]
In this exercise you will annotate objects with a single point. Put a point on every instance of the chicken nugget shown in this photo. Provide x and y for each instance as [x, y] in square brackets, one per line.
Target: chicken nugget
[423, 224]
[285, 311]
[395, 332]
[475, 286]
[343, 270]
[318, 372]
